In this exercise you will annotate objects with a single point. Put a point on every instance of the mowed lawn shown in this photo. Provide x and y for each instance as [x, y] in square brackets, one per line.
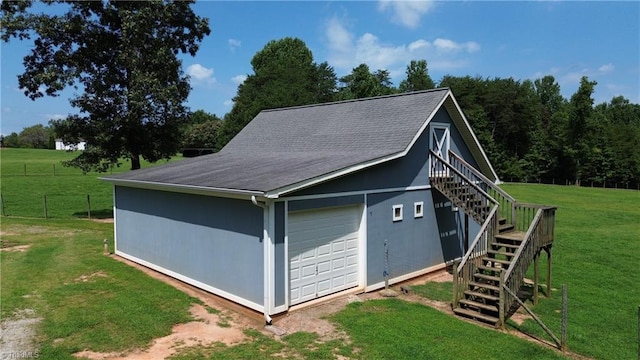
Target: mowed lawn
[597, 255]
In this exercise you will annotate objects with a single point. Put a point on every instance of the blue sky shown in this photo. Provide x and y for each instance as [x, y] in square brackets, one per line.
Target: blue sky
[523, 40]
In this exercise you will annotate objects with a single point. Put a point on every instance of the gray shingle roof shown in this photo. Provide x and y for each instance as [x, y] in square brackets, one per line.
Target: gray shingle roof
[282, 147]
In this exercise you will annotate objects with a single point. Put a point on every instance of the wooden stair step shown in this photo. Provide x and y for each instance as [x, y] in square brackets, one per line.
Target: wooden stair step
[481, 295]
[484, 285]
[479, 305]
[500, 261]
[512, 236]
[502, 228]
[476, 315]
[506, 246]
[486, 277]
[502, 221]
[489, 268]
[498, 252]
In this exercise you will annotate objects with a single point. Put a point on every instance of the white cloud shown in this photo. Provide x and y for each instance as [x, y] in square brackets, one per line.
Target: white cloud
[446, 45]
[418, 44]
[228, 103]
[201, 74]
[606, 68]
[239, 79]
[406, 13]
[347, 51]
[234, 44]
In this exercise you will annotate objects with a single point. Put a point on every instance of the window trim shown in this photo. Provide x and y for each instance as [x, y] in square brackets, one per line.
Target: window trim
[397, 212]
[418, 209]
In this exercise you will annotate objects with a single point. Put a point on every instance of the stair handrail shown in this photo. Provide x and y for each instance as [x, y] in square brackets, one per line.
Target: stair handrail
[459, 173]
[483, 239]
[506, 201]
[538, 234]
[477, 250]
[481, 176]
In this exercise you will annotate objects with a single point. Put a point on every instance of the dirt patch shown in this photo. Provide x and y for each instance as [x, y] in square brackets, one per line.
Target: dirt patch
[18, 335]
[313, 319]
[15, 248]
[203, 331]
[106, 220]
[90, 277]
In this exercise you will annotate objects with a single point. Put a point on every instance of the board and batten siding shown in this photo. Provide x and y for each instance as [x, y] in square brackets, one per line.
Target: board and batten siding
[207, 240]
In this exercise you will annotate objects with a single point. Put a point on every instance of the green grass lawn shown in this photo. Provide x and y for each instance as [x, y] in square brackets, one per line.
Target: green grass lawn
[87, 300]
[66, 191]
[597, 255]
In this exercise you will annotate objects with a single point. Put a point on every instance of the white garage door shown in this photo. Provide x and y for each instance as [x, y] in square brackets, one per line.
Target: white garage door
[323, 251]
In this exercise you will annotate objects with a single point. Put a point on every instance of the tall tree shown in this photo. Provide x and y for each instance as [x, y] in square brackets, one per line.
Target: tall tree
[362, 83]
[123, 55]
[417, 77]
[580, 112]
[284, 75]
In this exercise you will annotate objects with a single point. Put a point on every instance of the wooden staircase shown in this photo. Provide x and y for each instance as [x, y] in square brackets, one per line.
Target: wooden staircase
[511, 236]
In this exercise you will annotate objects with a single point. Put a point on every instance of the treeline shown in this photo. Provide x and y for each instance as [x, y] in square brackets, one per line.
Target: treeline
[528, 129]
[32, 137]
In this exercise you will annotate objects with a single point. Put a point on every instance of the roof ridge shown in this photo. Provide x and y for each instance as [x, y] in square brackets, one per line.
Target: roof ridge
[357, 100]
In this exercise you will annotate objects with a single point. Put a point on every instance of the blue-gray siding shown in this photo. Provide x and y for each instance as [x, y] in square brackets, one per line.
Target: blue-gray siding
[413, 244]
[216, 241]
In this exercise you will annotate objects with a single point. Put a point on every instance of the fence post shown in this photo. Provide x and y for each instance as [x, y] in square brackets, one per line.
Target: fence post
[89, 206]
[46, 215]
[563, 342]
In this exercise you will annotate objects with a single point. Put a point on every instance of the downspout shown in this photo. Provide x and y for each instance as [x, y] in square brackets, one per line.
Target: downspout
[266, 304]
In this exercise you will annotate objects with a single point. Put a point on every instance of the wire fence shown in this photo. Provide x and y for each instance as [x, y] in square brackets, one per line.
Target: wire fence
[56, 206]
[43, 169]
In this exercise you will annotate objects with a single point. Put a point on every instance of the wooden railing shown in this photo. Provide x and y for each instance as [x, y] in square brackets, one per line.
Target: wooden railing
[462, 192]
[539, 221]
[463, 272]
[452, 182]
[505, 201]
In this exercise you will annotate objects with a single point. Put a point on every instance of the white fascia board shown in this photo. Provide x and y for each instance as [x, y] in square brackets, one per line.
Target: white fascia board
[274, 194]
[187, 189]
[473, 136]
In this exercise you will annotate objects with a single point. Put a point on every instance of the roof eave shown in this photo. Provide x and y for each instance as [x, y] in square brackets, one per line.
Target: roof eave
[188, 189]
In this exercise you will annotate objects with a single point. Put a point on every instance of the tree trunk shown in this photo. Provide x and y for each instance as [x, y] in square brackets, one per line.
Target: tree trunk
[135, 162]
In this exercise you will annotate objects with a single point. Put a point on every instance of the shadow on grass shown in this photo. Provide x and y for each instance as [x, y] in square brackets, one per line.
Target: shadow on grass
[95, 214]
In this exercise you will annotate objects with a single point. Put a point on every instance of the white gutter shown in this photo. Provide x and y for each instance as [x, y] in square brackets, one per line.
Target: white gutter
[188, 189]
[265, 239]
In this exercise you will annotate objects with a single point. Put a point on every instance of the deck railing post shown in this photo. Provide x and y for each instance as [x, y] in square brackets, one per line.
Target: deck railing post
[456, 291]
[501, 303]
[563, 342]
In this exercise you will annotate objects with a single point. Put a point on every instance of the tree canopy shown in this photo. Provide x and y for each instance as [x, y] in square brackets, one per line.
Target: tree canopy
[122, 58]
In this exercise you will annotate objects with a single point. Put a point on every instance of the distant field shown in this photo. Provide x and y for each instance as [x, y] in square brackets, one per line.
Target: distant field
[27, 175]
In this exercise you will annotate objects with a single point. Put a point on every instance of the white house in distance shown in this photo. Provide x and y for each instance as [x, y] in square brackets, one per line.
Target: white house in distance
[60, 145]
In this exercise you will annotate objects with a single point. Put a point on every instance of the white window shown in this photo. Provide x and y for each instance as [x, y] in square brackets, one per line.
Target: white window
[397, 212]
[418, 209]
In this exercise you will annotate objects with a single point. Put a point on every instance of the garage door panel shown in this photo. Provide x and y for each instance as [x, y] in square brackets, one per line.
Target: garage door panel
[323, 246]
